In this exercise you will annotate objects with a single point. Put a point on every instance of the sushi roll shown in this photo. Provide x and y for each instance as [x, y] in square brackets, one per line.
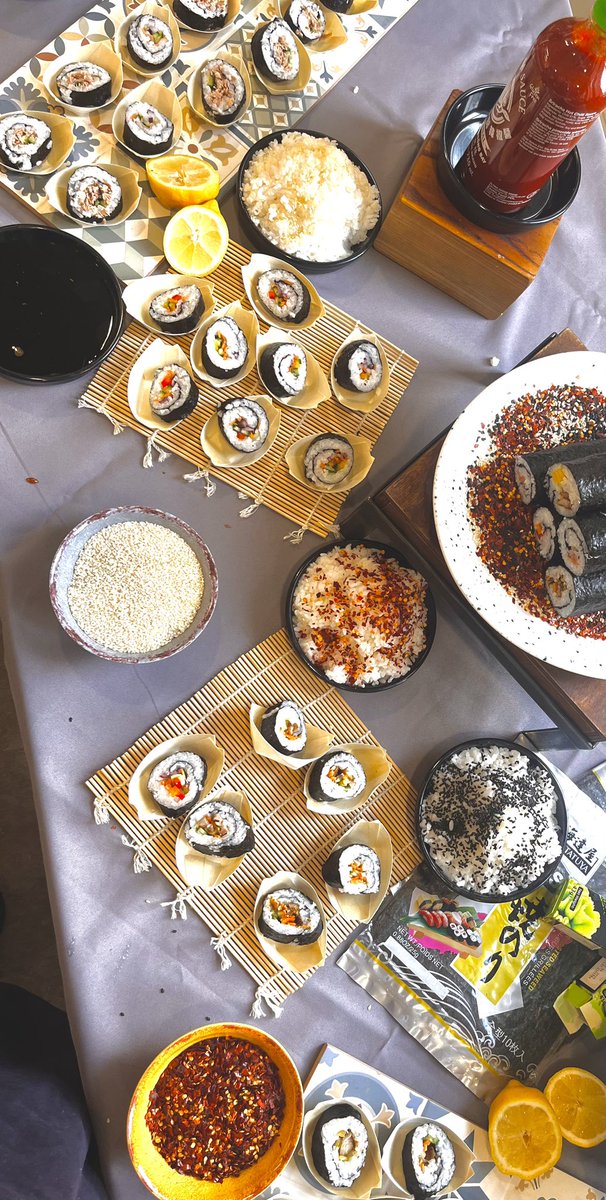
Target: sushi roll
[582, 542]
[176, 782]
[24, 141]
[358, 367]
[355, 870]
[173, 393]
[224, 348]
[146, 130]
[244, 424]
[577, 484]
[339, 1145]
[204, 15]
[545, 529]
[217, 828]
[338, 6]
[530, 469]
[336, 776]
[274, 51]
[283, 296]
[84, 85]
[328, 459]
[290, 918]
[150, 42]
[428, 1160]
[223, 91]
[178, 310]
[93, 195]
[307, 20]
[573, 595]
[283, 726]
[283, 369]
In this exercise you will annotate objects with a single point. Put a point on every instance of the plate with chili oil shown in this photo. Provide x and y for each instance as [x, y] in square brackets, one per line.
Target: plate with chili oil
[195, 1075]
[484, 530]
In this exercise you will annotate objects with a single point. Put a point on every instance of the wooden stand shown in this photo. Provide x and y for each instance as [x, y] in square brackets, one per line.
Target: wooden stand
[424, 232]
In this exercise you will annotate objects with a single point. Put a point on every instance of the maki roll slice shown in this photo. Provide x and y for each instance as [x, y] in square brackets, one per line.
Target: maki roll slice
[283, 369]
[354, 870]
[328, 459]
[582, 542]
[428, 1160]
[358, 367]
[84, 85]
[93, 195]
[244, 424]
[530, 469]
[178, 310]
[283, 296]
[338, 775]
[545, 529]
[274, 51]
[283, 726]
[577, 484]
[146, 130]
[224, 348]
[205, 15]
[573, 595]
[223, 91]
[307, 20]
[173, 393]
[338, 6]
[339, 1145]
[24, 141]
[176, 782]
[150, 42]
[217, 829]
[290, 918]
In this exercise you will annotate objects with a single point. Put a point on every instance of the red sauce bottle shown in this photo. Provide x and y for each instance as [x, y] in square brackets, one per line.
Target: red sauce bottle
[553, 98]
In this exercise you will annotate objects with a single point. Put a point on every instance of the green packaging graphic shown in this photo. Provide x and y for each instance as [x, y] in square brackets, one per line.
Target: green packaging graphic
[580, 913]
[571, 1004]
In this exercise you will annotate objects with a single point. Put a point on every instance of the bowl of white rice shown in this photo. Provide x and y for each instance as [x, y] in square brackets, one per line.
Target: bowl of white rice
[309, 199]
[133, 584]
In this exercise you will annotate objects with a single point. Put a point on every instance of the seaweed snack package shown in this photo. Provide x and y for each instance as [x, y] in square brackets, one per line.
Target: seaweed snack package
[474, 983]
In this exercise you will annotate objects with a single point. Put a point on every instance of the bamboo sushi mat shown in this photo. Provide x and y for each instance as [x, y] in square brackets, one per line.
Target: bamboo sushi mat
[134, 248]
[267, 481]
[288, 837]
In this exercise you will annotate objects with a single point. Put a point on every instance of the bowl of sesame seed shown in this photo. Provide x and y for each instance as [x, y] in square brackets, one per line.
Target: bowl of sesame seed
[133, 584]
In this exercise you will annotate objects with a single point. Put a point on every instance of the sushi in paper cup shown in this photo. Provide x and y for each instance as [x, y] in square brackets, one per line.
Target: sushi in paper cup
[288, 86]
[152, 92]
[364, 402]
[250, 328]
[371, 1174]
[194, 87]
[158, 354]
[392, 1157]
[318, 742]
[62, 135]
[259, 263]
[316, 389]
[294, 958]
[363, 460]
[209, 870]
[100, 53]
[374, 835]
[221, 454]
[334, 35]
[197, 743]
[138, 295]
[376, 768]
[193, 39]
[56, 192]
[148, 8]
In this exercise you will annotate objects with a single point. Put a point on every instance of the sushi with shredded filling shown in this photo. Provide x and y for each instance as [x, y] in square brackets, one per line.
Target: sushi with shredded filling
[173, 393]
[224, 348]
[283, 369]
[354, 870]
[358, 367]
[582, 542]
[204, 15]
[577, 485]
[223, 91]
[428, 1160]
[572, 595]
[338, 775]
[146, 130]
[176, 782]
[83, 85]
[545, 529]
[329, 459]
[529, 470]
[307, 20]
[289, 917]
[275, 52]
[217, 829]
[93, 195]
[24, 141]
[177, 310]
[150, 42]
[283, 726]
[283, 296]
[244, 424]
[339, 1145]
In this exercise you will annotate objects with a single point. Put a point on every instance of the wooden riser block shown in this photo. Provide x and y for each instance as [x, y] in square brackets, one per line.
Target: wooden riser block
[425, 233]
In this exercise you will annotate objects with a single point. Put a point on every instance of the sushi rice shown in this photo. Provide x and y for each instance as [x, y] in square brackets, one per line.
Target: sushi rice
[223, 90]
[244, 423]
[93, 195]
[24, 141]
[83, 85]
[274, 51]
[216, 828]
[175, 783]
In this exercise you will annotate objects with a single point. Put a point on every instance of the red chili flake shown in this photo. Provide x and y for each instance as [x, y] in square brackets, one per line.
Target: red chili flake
[32, 479]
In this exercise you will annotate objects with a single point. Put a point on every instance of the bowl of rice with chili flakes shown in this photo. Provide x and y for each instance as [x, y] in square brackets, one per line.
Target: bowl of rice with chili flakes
[218, 1113]
[359, 616]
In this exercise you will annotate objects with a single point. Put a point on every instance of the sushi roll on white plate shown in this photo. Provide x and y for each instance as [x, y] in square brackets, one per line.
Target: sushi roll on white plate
[217, 829]
[83, 85]
[283, 369]
[177, 310]
[283, 295]
[288, 917]
[146, 130]
[173, 393]
[93, 195]
[428, 1160]
[24, 141]
[339, 1145]
[329, 459]
[224, 348]
[175, 783]
[358, 367]
[283, 726]
[223, 90]
[150, 42]
[354, 870]
[307, 20]
[338, 775]
[205, 15]
[275, 52]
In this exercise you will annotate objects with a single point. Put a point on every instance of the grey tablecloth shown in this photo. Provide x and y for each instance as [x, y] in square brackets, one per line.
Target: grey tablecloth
[134, 979]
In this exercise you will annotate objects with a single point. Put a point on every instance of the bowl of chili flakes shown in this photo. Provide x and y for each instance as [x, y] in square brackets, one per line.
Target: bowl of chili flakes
[217, 1114]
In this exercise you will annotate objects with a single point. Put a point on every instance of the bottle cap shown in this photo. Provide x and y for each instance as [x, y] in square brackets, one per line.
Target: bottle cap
[598, 13]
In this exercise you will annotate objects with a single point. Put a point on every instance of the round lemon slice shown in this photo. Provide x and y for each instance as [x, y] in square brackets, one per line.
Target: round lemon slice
[181, 179]
[578, 1099]
[196, 239]
[524, 1132]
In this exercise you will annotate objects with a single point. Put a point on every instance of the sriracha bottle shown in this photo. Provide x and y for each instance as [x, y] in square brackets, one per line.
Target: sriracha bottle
[554, 96]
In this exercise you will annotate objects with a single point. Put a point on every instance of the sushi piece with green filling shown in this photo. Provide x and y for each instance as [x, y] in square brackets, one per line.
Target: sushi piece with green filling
[289, 917]
[337, 775]
[24, 141]
[173, 393]
[328, 460]
[177, 310]
[283, 369]
[224, 348]
[339, 1145]
[223, 91]
[275, 52]
[358, 367]
[244, 424]
[428, 1160]
[216, 829]
[83, 85]
[205, 15]
[283, 295]
[150, 42]
[146, 130]
[93, 195]
[354, 870]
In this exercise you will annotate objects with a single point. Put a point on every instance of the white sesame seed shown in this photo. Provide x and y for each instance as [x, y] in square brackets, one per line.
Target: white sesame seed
[494, 361]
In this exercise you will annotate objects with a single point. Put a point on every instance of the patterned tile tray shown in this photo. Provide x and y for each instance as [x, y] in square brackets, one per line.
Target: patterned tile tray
[134, 248]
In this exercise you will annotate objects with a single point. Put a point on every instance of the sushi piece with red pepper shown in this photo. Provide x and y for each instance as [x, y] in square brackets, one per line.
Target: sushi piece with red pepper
[177, 781]
[178, 310]
[284, 296]
[173, 393]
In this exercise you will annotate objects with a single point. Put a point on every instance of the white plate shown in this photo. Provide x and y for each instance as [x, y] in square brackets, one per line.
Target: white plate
[468, 442]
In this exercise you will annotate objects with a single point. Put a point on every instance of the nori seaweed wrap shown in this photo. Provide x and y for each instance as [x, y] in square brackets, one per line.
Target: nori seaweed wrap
[582, 542]
[354, 870]
[215, 828]
[573, 595]
[339, 1145]
[275, 52]
[338, 6]
[289, 917]
[283, 726]
[530, 469]
[428, 1160]
[577, 484]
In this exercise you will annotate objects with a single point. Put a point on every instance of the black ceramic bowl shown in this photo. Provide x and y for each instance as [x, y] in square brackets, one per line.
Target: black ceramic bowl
[562, 818]
[267, 247]
[367, 687]
[461, 123]
[61, 310]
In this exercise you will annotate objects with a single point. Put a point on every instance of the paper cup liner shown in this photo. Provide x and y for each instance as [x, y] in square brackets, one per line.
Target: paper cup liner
[374, 835]
[318, 742]
[207, 871]
[293, 958]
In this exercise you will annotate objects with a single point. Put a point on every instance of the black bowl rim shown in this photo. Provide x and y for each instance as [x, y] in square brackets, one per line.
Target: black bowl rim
[305, 265]
[80, 244]
[562, 816]
[366, 688]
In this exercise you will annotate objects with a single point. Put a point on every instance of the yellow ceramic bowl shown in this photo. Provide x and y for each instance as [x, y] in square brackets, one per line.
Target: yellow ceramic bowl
[167, 1184]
